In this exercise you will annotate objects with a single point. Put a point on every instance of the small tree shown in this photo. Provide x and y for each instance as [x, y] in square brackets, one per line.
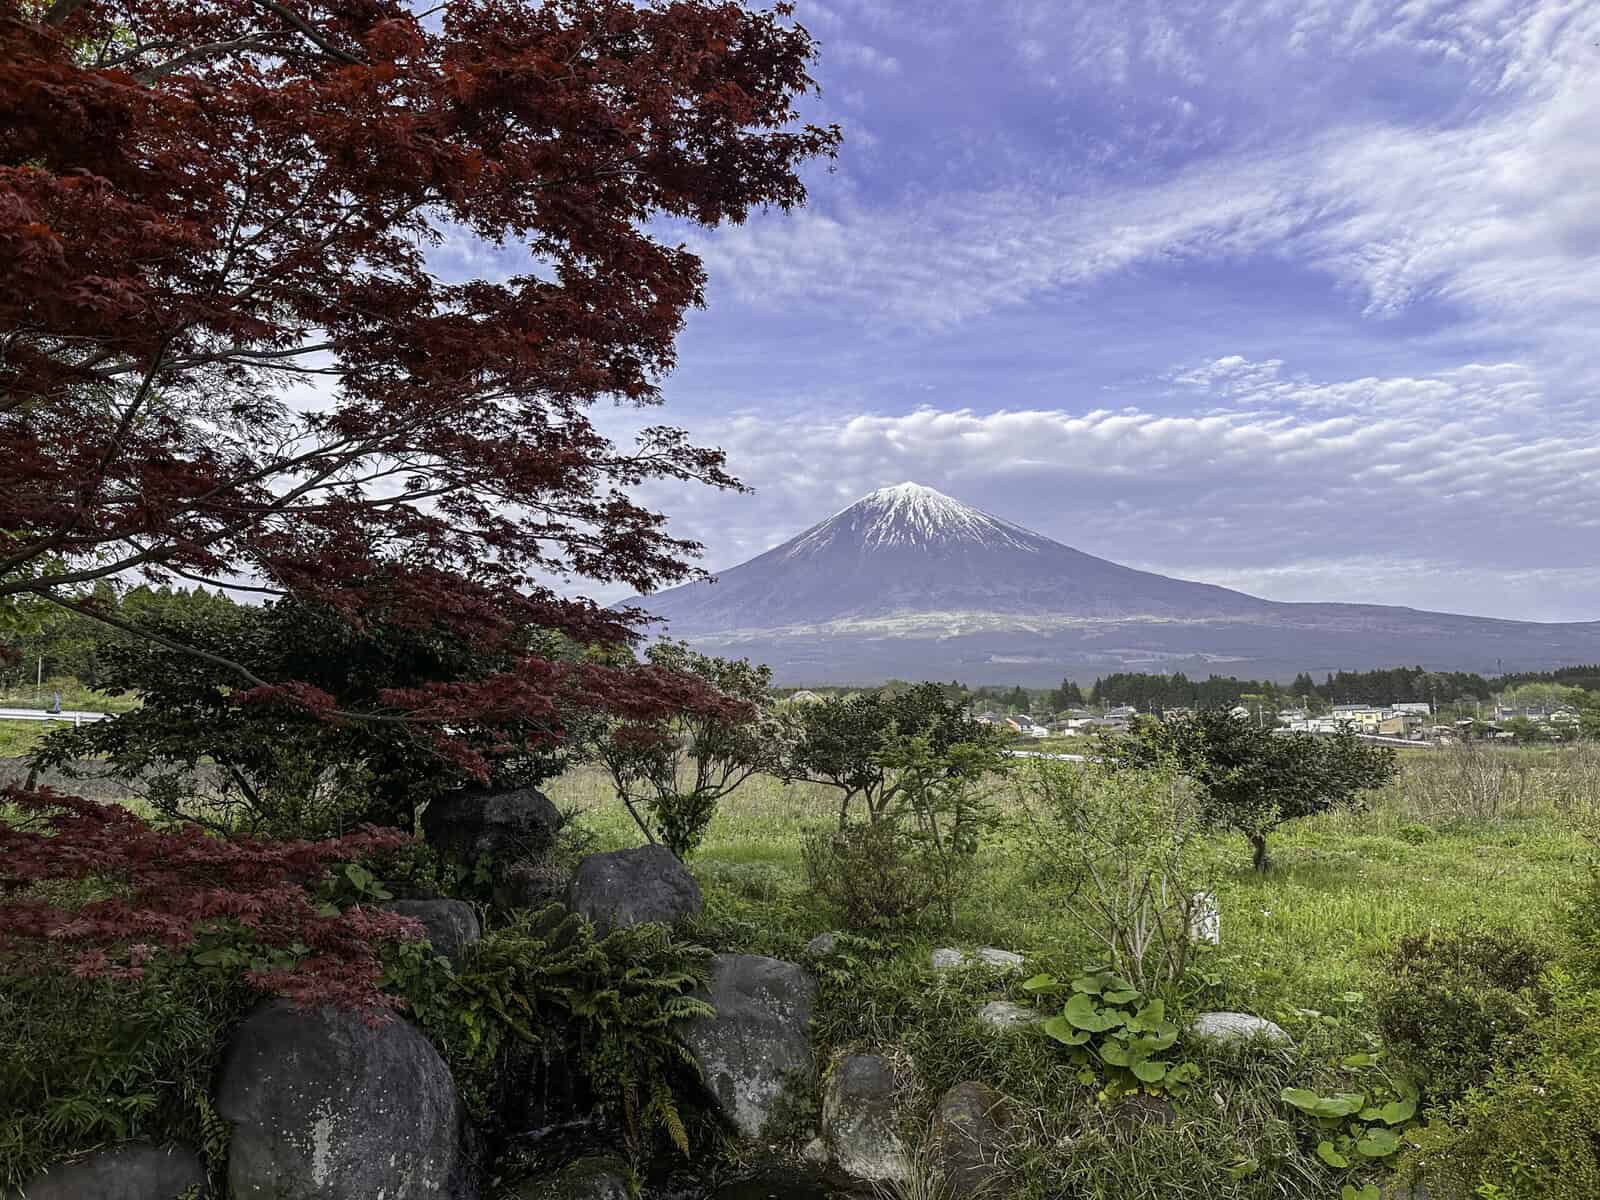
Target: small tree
[839, 742]
[919, 852]
[672, 772]
[1255, 779]
[1119, 844]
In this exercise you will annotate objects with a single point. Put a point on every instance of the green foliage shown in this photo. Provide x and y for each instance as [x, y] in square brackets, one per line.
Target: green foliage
[1532, 1132]
[870, 874]
[196, 754]
[88, 1063]
[920, 851]
[1254, 779]
[1113, 1032]
[1456, 1002]
[611, 1007]
[677, 768]
[1357, 1128]
[1117, 848]
[840, 742]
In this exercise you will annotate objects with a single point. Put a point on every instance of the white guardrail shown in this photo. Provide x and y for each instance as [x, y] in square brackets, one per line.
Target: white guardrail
[65, 716]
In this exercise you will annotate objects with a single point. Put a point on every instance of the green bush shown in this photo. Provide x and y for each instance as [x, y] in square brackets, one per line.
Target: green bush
[1116, 849]
[88, 1063]
[1533, 1133]
[546, 987]
[918, 850]
[872, 875]
[1457, 1002]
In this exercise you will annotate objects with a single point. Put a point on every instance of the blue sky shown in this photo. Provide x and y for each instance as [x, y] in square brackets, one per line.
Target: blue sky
[1295, 297]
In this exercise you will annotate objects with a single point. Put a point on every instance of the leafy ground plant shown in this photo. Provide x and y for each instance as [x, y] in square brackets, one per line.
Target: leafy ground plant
[1360, 1127]
[1109, 1026]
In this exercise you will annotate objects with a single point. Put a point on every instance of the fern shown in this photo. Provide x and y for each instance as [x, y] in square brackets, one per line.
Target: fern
[545, 979]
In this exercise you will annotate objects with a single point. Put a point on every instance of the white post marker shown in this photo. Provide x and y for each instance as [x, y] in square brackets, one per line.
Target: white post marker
[1205, 919]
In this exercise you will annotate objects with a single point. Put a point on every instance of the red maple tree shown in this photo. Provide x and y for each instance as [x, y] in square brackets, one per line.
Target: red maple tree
[163, 890]
[227, 350]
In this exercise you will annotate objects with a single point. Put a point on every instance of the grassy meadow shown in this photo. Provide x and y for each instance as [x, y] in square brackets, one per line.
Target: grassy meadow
[1452, 840]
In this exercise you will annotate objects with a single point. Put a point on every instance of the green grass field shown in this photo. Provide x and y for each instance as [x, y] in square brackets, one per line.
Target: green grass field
[1300, 945]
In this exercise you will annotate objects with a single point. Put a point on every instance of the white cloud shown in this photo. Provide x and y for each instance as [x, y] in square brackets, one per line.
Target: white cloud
[859, 54]
[1385, 490]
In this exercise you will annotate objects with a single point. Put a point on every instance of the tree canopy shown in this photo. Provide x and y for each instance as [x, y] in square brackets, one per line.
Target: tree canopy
[1255, 779]
[237, 358]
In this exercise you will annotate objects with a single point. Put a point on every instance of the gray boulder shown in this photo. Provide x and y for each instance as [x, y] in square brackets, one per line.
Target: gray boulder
[324, 1106]
[1006, 1015]
[969, 1134]
[858, 1119]
[1000, 960]
[630, 887]
[502, 826]
[1232, 1027]
[592, 1177]
[133, 1171]
[452, 925]
[758, 1044]
[948, 958]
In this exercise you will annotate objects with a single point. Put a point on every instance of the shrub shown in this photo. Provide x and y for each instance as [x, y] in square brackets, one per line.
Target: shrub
[105, 1060]
[1254, 779]
[839, 742]
[1533, 1132]
[1117, 846]
[672, 772]
[918, 851]
[1457, 1002]
[872, 874]
[546, 987]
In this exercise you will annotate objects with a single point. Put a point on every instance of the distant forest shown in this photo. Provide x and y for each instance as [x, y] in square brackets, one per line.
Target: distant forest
[61, 645]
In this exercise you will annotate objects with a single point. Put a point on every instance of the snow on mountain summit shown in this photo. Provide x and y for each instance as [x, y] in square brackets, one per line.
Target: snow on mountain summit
[910, 514]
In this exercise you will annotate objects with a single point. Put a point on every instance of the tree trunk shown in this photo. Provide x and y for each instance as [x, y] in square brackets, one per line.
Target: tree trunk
[1258, 843]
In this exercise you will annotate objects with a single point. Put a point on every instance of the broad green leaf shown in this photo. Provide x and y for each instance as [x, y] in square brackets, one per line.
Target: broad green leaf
[1183, 1073]
[1149, 1018]
[1341, 1104]
[1043, 985]
[1329, 1155]
[1378, 1143]
[1150, 1071]
[1063, 1032]
[1088, 984]
[1302, 1098]
[1397, 1111]
[1368, 1191]
[1085, 1014]
[1121, 996]
[1359, 1060]
[1116, 1054]
[1086, 1076]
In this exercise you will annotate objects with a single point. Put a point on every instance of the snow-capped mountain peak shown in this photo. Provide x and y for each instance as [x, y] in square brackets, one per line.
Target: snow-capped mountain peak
[909, 583]
[912, 515]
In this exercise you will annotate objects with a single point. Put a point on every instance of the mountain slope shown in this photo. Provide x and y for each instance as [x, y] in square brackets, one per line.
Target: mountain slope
[909, 583]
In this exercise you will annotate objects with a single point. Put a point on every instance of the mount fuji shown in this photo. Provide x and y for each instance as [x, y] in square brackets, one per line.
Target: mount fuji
[909, 583]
